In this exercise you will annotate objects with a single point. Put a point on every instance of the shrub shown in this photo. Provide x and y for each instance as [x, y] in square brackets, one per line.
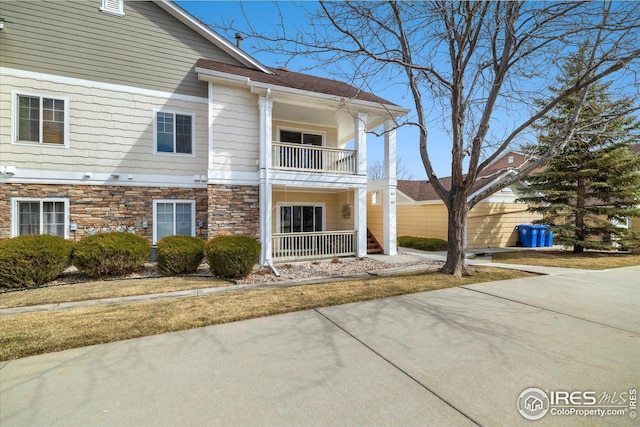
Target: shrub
[28, 261]
[232, 256]
[111, 254]
[422, 243]
[180, 254]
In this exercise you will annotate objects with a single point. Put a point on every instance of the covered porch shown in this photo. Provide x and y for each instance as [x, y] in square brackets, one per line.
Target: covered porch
[313, 176]
[313, 223]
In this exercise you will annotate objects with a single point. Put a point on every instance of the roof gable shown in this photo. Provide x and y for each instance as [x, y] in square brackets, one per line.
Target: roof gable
[198, 26]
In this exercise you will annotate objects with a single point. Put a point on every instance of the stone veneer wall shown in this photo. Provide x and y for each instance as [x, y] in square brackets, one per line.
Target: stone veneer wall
[104, 206]
[234, 209]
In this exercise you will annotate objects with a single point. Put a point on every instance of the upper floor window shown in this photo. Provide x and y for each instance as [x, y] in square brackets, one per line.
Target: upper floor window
[115, 7]
[41, 119]
[174, 133]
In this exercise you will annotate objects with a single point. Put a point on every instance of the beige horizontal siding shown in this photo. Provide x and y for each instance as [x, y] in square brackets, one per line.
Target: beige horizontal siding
[488, 224]
[422, 221]
[109, 131]
[492, 225]
[236, 130]
[146, 48]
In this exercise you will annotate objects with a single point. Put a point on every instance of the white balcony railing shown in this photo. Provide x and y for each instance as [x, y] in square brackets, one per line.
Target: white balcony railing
[299, 246]
[310, 158]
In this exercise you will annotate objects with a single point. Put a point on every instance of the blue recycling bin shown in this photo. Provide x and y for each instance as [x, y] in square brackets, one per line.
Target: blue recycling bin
[528, 235]
[542, 235]
[548, 239]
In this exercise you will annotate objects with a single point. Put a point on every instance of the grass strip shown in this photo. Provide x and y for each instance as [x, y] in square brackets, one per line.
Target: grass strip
[105, 289]
[37, 333]
[565, 259]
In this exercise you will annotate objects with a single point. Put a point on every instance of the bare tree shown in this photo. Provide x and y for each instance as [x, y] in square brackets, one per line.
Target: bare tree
[476, 68]
[375, 170]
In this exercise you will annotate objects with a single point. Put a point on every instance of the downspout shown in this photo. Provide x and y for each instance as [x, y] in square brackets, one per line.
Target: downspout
[270, 264]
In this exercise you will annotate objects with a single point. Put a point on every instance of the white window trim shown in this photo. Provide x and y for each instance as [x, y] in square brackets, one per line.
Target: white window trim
[321, 205]
[113, 11]
[15, 113]
[15, 231]
[193, 132]
[174, 201]
[323, 134]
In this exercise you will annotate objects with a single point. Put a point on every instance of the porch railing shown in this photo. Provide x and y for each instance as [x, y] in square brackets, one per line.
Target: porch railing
[310, 158]
[299, 246]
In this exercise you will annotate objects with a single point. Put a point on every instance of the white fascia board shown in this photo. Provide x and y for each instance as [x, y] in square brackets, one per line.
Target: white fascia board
[492, 182]
[425, 203]
[233, 177]
[116, 178]
[206, 32]
[262, 88]
[400, 193]
[207, 75]
[384, 184]
[320, 180]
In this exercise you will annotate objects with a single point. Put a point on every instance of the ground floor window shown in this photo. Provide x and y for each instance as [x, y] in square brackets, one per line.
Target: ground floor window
[171, 217]
[40, 216]
[301, 218]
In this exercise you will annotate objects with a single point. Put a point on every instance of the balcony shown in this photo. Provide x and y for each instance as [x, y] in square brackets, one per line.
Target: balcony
[325, 244]
[311, 158]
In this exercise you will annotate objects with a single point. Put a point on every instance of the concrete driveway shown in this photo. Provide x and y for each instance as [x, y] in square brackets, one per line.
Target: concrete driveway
[455, 357]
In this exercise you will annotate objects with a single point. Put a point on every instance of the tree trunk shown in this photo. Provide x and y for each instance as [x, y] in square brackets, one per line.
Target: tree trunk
[578, 248]
[456, 264]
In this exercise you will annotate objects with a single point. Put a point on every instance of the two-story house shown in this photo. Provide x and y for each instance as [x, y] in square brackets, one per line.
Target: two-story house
[136, 116]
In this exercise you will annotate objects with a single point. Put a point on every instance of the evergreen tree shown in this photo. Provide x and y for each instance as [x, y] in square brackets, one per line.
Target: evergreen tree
[593, 184]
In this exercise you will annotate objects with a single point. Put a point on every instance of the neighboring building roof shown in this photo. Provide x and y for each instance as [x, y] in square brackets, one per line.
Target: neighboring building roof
[635, 149]
[422, 191]
[512, 159]
[291, 79]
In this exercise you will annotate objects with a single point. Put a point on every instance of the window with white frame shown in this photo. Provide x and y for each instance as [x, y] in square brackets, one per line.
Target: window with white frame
[376, 197]
[174, 132]
[114, 7]
[41, 119]
[300, 137]
[300, 218]
[171, 217]
[40, 216]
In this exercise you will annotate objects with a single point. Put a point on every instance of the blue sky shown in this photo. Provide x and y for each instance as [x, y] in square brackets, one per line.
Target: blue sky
[263, 16]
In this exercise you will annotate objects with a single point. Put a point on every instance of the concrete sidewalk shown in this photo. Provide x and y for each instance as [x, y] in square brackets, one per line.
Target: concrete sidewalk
[458, 356]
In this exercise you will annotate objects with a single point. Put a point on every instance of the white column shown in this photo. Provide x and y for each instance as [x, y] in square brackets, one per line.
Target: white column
[266, 106]
[360, 140]
[389, 198]
[210, 126]
[361, 221]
